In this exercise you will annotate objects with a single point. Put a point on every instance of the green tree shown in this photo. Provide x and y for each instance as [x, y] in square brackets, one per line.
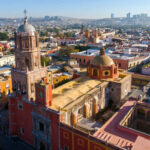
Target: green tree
[45, 60]
[3, 36]
[82, 48]
[120, 31]
[44, 34]
[66, 51]
[68, 34]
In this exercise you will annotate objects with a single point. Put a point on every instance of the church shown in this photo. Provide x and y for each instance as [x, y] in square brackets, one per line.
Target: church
[55, 119]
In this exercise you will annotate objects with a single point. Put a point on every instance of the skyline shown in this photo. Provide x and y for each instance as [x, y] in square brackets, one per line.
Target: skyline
[74, 8]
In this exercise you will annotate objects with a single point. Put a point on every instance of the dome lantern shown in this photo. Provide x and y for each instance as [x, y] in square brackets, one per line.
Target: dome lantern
[26, 27]
[102, 51]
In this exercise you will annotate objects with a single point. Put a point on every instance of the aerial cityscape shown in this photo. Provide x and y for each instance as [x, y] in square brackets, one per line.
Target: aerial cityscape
[74, 75]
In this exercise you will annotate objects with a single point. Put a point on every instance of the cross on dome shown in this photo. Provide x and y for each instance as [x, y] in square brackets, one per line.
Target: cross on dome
[26, 18]
[25, 13]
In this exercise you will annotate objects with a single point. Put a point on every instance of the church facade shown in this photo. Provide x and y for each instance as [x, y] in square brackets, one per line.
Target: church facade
[52, 119]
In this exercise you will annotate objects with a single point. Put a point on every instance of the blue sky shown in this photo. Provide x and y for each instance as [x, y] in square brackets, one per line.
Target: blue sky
[92, 9]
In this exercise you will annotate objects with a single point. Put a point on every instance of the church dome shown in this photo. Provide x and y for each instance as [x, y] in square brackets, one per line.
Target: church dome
[26, 27]
[102, 59]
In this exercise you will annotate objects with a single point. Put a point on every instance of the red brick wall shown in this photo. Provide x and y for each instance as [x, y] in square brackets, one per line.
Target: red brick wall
[78, 57]
[21, 119]
[124, 63]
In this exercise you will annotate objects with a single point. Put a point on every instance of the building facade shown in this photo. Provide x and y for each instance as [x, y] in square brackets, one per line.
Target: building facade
[60, 118]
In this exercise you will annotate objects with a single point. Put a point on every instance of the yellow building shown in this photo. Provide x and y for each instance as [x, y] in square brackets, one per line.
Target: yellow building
[5, 85]
[59, 77]
[5, 89]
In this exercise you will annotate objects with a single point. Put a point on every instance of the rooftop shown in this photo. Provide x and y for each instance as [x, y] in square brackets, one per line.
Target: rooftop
[69, 94]
[94, 52]
[110, 132]
[113, 132]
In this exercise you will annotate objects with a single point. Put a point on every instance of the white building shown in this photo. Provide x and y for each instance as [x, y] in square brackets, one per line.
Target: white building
[7, 60]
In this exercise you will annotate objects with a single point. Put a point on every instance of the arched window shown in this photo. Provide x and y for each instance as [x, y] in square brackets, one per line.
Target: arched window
[26, 44]
[32, 88]
[24, 89]
[19, 86]
[27, 63]
[95, 72]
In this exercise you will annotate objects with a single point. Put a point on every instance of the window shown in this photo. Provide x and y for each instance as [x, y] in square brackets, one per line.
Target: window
[8, 92]
[24, 89]
[7, 85]
[22, 131]
[66, 148]
[26, 44]
[41, 126]
[32, 87]
[40, 94]
[106, 73]
[27, 63]
[42, 146]
[95, 72]
[20, 106]
[119, 64]
[80, 111]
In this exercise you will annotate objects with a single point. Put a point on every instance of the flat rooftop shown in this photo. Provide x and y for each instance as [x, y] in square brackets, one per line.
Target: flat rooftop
[71, 93]
[113, 56]
[111, 132]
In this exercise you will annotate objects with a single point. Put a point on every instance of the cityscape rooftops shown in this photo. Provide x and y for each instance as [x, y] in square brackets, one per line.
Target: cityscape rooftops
[140, 45]
[113, 131]
[110, 132]
[95, 52]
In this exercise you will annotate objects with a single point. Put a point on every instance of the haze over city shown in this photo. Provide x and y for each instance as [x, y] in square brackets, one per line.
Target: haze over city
[91, 9]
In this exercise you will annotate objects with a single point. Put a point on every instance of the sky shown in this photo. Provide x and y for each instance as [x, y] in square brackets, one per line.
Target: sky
[91, 9]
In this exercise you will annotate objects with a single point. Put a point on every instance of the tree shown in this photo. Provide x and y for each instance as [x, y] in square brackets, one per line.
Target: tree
[120, 31]
[68, 34]
[66, 51]
[3, 36]
[44, 34]
[45, 60]
[82, 48]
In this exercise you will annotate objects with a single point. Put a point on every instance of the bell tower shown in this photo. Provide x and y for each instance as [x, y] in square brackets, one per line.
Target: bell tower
[28, 68]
